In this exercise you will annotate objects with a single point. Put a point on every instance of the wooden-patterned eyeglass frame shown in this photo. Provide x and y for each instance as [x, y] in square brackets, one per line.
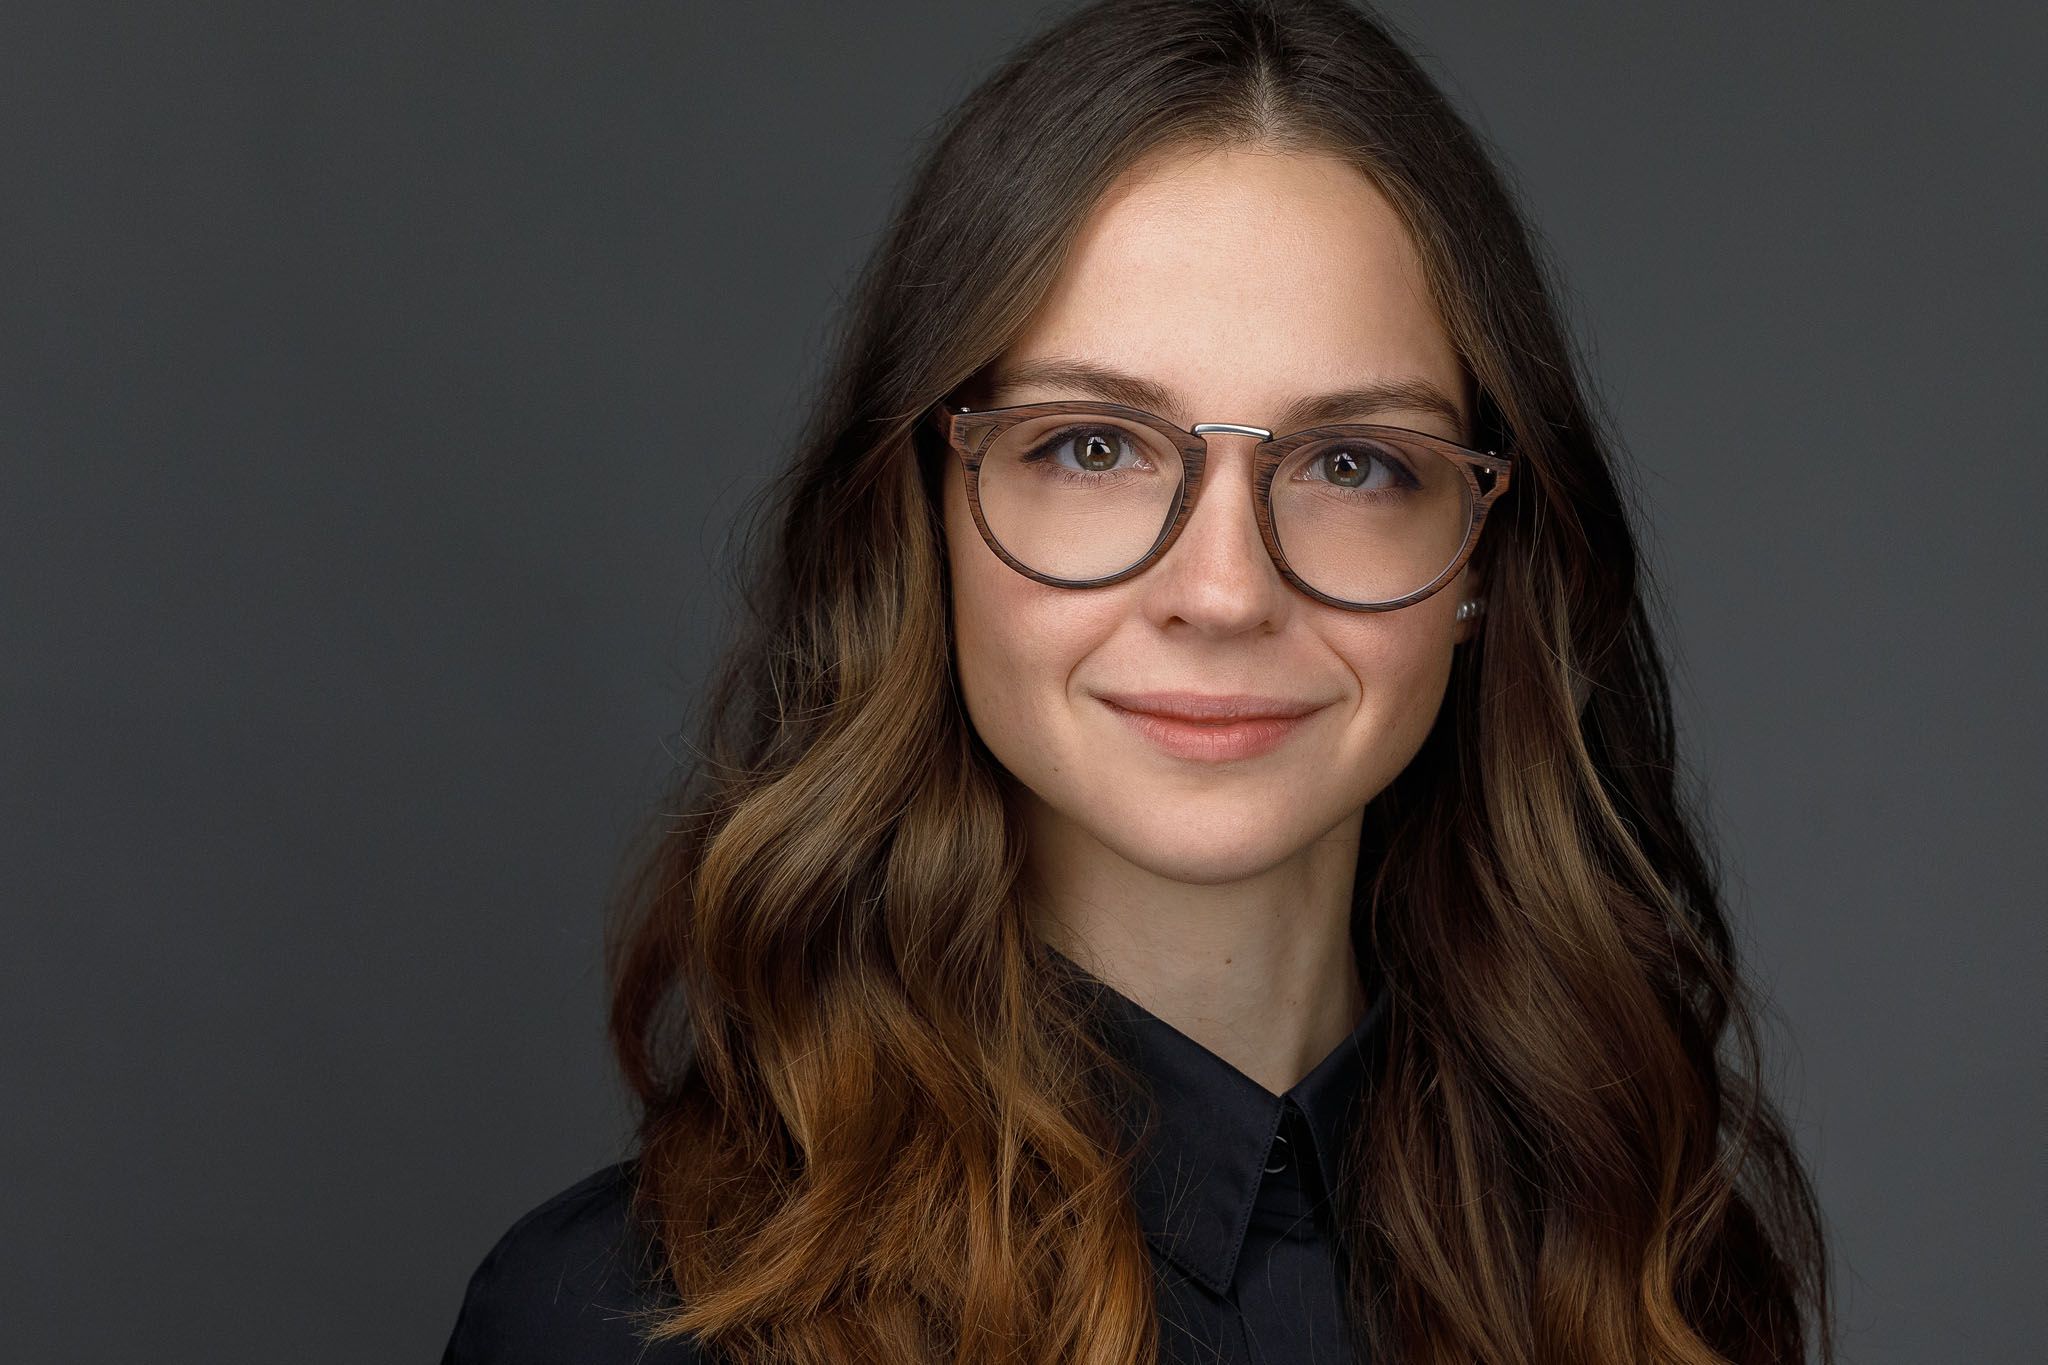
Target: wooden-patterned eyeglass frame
[970, 433]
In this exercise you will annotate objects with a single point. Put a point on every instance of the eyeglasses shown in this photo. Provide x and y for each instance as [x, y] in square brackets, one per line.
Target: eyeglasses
[1084, 494]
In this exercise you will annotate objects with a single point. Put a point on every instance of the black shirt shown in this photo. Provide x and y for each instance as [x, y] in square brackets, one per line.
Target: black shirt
[1232, 1193]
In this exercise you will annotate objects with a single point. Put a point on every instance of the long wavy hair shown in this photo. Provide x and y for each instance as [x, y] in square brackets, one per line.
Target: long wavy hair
[873, 1123]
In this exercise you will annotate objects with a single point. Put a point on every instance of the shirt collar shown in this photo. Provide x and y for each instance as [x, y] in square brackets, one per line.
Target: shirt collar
[1196, 1181]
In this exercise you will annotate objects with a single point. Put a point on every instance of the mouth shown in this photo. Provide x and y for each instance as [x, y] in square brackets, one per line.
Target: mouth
[1212, 728]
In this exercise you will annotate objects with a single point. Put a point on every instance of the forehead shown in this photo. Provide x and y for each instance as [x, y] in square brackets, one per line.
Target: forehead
[1241, 278]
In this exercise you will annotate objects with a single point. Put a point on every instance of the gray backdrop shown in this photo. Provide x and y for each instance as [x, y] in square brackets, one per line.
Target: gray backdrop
[377, 384]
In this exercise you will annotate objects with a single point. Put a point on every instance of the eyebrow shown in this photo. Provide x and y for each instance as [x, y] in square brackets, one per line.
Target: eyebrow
[1115, 386]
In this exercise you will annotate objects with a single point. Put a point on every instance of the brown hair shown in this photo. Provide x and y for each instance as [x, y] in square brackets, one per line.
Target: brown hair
[872, 1127]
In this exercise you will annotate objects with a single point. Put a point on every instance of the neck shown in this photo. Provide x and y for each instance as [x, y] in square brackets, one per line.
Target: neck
[1261, 971]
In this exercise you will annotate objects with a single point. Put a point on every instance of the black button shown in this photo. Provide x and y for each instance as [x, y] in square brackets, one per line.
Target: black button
[1278, 1153]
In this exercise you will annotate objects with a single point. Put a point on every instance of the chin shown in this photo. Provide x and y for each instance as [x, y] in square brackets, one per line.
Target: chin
[1200, 854]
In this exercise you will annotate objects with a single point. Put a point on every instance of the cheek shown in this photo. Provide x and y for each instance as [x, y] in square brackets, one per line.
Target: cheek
[1402, 665]
[1015, 644]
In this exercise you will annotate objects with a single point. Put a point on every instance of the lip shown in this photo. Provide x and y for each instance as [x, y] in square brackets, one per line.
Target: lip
[1209, 707]
[1211, 728]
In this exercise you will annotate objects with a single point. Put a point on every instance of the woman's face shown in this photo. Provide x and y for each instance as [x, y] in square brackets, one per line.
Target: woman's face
[1236, 282]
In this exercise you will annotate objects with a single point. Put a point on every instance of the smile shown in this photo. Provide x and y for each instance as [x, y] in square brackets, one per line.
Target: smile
[1212, 741]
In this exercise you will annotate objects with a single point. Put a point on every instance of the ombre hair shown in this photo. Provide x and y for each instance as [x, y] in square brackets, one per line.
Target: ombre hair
[873, 1125]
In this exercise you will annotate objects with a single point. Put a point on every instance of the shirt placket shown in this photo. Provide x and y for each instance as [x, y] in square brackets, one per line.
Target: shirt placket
[1286, 1301]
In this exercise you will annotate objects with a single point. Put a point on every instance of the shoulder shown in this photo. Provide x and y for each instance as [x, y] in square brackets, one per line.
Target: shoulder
[567, 1282]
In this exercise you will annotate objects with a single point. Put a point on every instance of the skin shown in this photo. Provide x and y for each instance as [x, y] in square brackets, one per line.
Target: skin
[1217, 895]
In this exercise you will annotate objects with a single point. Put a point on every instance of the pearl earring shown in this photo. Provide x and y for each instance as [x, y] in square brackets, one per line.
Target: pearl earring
[1470, 608]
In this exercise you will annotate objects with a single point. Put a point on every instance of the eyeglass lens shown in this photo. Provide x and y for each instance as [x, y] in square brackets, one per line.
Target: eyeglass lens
[1083, 496]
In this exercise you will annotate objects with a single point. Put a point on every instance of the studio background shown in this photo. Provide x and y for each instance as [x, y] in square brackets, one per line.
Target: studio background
[378, 386]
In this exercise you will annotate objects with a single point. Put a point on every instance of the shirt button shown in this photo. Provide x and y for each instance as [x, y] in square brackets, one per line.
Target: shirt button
[1278, 1153]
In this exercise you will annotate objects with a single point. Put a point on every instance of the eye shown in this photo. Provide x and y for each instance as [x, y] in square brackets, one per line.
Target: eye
[1095, 450]
[1361, 466]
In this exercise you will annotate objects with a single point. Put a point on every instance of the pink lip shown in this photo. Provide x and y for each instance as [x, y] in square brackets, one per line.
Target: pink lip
[1212, 728]
[1212, 707]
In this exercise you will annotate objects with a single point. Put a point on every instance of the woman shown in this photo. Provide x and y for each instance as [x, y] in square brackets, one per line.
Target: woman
[1159, 881]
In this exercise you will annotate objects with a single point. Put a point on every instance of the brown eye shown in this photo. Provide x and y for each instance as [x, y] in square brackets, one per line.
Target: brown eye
[1094, 450]
[1361, 465]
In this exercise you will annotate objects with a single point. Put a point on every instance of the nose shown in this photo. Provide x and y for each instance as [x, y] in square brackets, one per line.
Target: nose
[1217, 574]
